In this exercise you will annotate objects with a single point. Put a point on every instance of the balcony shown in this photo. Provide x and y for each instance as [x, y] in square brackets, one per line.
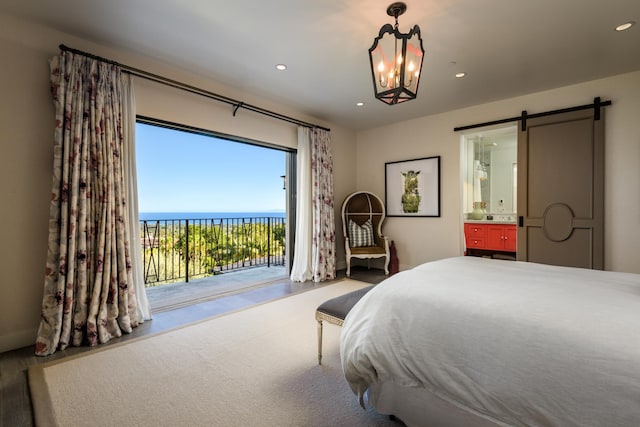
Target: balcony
[182, 256]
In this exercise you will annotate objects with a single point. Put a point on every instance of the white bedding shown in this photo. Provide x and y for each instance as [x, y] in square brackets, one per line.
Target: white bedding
[516, 343]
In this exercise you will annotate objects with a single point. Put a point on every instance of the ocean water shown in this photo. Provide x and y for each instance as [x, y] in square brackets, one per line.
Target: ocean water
[155, 216]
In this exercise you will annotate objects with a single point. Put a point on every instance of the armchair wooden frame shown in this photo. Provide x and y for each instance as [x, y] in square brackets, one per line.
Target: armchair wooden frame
[360, 207]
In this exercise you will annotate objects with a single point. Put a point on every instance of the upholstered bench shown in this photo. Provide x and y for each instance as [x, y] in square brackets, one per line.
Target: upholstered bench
[335, 310]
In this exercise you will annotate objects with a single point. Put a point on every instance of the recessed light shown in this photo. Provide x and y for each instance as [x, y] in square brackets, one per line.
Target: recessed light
[460, 75]
[281, 67]
[625, 26]
[359, 104]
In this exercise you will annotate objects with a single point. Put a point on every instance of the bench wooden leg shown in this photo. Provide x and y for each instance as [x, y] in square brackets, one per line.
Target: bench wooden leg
[319, 342]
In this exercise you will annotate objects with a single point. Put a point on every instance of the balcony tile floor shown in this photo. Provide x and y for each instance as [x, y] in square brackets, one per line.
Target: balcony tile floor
[179, 294]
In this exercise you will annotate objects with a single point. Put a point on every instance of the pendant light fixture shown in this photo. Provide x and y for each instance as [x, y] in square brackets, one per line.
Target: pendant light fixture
[396, 60]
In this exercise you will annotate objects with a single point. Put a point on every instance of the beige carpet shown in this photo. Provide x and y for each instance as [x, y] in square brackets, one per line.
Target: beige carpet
[256, 367]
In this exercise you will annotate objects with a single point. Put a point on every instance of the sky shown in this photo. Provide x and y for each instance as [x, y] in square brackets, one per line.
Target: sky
[184, 172]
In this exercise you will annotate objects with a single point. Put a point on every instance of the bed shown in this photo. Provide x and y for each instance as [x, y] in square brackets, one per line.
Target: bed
[469, 341]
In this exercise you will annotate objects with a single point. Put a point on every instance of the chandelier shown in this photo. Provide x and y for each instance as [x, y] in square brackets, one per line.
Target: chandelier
[396, 60]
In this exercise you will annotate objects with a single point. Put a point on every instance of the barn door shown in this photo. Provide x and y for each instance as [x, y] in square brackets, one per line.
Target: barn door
[561, 190]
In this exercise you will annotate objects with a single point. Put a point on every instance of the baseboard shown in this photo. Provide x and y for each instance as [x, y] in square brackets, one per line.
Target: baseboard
[402, 267]
[16, 340]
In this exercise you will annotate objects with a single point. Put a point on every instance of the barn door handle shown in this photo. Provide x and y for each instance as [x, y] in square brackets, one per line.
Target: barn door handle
[521, 221]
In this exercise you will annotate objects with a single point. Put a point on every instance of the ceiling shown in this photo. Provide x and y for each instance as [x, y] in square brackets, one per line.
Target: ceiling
[506, 47]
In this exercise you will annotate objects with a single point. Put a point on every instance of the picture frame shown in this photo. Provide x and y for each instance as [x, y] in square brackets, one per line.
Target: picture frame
[412, 187]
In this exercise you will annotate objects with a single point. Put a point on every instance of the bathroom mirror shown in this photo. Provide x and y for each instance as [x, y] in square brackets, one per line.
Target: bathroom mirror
[490, 170]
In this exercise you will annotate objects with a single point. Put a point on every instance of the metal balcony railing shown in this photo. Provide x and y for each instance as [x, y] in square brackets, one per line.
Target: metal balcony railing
[180, 249]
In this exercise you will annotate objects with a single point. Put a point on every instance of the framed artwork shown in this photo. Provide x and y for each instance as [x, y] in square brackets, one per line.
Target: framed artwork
[412, 187]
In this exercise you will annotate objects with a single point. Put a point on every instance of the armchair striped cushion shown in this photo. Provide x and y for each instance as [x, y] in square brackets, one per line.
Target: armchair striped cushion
[360, 235]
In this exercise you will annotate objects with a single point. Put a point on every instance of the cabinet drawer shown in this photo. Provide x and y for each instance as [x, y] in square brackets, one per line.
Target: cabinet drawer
[474, 242]
[475, 230]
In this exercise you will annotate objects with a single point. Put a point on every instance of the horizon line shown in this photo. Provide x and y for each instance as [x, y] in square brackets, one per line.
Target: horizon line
[234, 211]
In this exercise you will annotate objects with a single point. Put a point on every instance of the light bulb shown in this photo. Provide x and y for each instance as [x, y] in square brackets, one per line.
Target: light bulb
[409, 75]
[381, 74]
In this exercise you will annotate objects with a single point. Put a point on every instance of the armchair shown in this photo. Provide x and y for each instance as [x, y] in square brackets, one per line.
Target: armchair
[362, 216]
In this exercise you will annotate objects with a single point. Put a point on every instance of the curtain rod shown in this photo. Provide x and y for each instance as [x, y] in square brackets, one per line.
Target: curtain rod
[597, 103]
[193, 89]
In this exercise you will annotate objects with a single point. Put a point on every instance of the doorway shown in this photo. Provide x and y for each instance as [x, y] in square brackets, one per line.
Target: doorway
[213, 212]
[489, 192]
[559, 194]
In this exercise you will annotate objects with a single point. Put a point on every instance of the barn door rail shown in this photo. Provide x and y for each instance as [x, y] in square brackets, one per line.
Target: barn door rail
[524, 116]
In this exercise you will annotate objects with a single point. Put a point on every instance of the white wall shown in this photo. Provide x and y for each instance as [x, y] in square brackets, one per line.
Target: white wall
[26, 133]
[26, 130]
[425, 239]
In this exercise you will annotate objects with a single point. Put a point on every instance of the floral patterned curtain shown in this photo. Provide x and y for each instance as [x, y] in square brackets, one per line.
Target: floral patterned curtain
[88, 293]
[323, 253]
[314, 256]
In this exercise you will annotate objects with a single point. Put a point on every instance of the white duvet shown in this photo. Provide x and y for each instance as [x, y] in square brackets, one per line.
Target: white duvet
[517, 343]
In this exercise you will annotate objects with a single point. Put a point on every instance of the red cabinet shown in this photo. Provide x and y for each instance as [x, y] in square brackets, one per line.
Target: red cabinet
[493, 237]
[510, 238]
[501, 237]
[475, 235]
